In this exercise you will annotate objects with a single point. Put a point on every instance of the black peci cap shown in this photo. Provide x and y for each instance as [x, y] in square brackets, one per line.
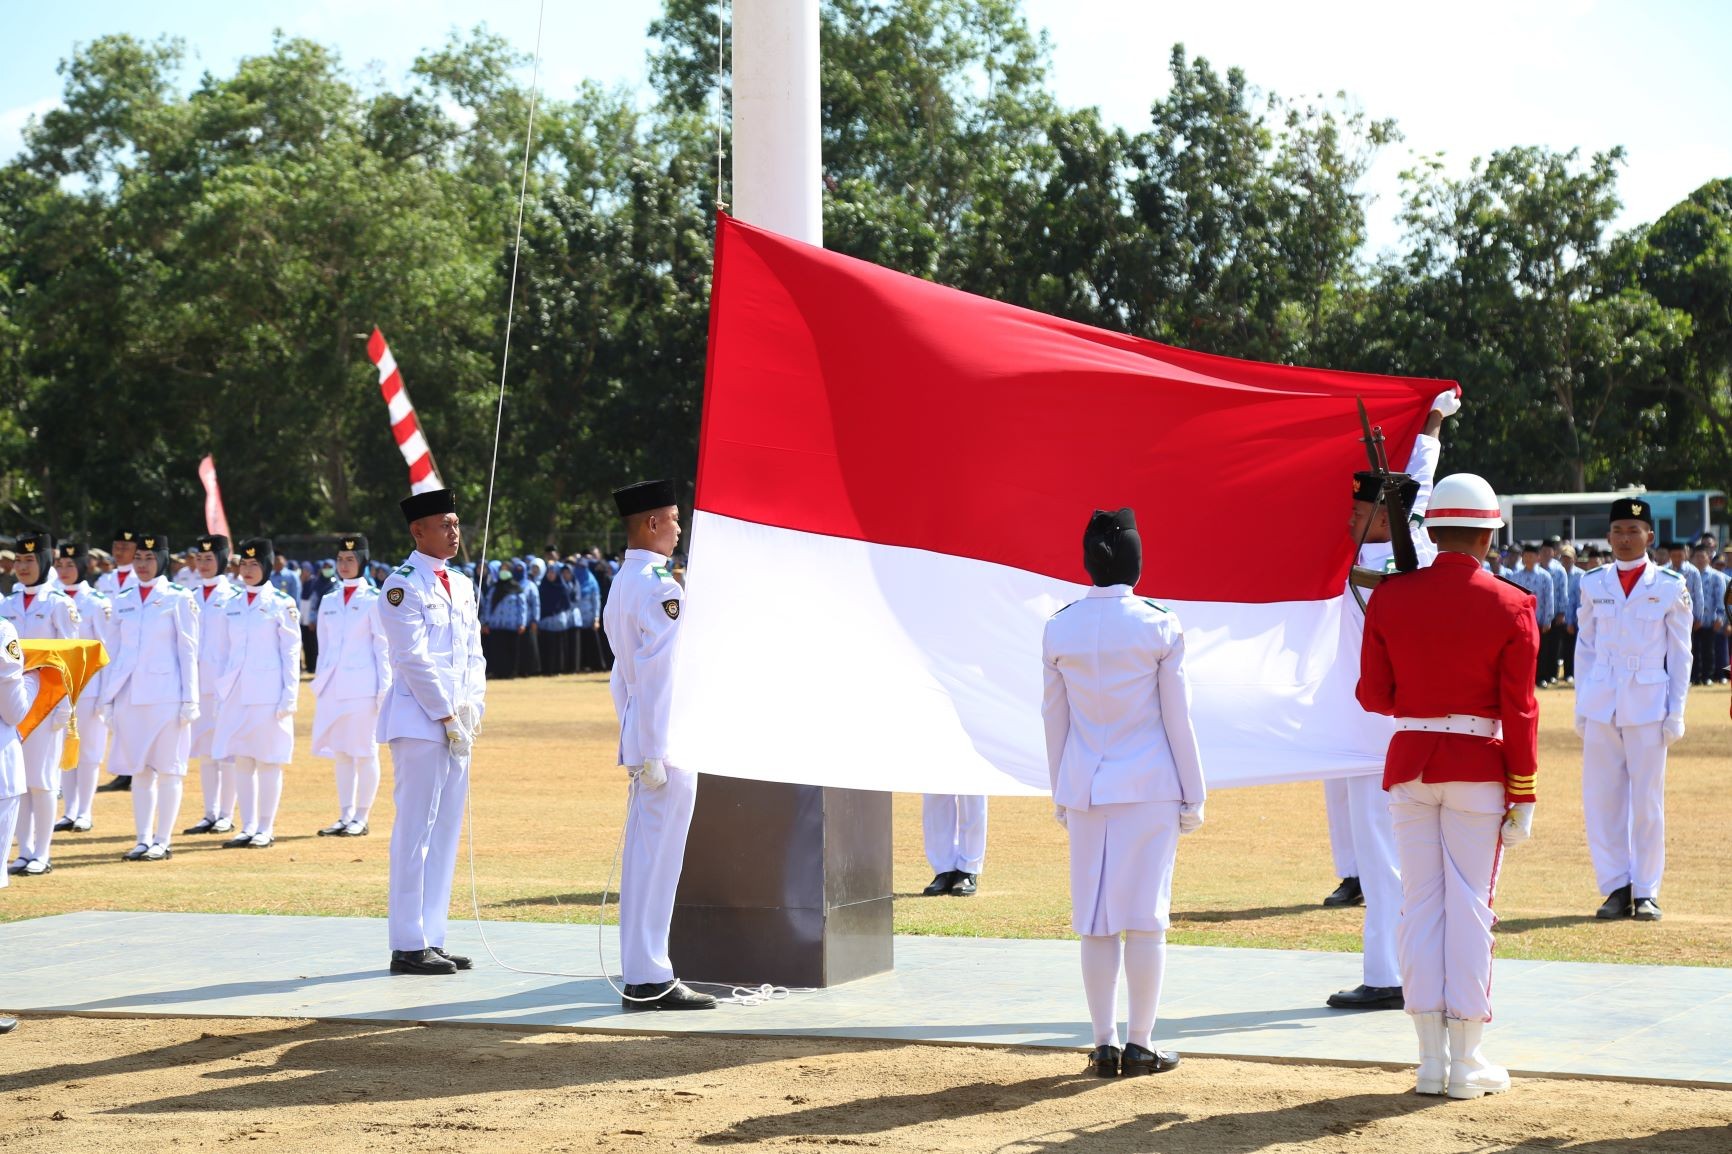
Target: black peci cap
[351, 543]
[37, 545]
[644, 496]
[1633, 509]
[1112, 548]
[432, 503]
[72, 551]
[257, 549]
[1366, 486]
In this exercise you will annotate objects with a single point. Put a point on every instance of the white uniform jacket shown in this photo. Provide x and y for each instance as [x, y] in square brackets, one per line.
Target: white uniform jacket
[110, 582]
[354, 660]
[1632, 653]
[641, 621]
[435, 649]
[263, 662]
[95, 623]
[52, 616]
[213, 649]
[17, 695]
[157, 647]
[1117, 706]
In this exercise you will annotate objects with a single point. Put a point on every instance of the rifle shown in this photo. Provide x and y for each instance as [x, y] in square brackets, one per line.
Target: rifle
[1396, 493]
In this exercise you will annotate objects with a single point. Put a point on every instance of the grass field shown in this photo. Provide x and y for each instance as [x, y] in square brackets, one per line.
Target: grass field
[548, 804]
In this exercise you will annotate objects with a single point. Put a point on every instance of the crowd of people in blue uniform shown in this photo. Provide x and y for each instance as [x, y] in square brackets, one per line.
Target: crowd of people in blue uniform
[1552, 570]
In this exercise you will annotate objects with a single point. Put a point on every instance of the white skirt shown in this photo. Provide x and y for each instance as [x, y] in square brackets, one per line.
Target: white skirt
[1121, 866]
[254, 731]
[204, 729]
[42, 750]
[149, 737]
[345, 726]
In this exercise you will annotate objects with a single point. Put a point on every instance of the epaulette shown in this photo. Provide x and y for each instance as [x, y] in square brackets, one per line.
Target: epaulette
[661, 571]
[60, 593]
[406, 571]
[1156, 605]
[1672, 573]
[1511, 584]
[1061, 609]
[172, 585]
[96, 593]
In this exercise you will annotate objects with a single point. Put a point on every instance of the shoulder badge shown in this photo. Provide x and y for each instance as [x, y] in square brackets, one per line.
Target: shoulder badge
[1156, 605]
[672, 606]
[1672, 573]
[72, 611]
[15, 649]
[394, 595]
[661, 571]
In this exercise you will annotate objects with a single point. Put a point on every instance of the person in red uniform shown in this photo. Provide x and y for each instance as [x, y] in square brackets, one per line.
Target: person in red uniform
[1449, 653]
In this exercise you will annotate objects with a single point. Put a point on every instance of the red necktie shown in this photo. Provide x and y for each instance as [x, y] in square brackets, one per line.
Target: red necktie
[143, 594]
[207, 590]
[28, 598]
[120, 579]
[1628, 578]
[250, 597]
[348, 592]
[444, 580]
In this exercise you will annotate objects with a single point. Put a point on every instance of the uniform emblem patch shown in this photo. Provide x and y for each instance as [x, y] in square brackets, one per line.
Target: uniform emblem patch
[15, 649]
[673, 609]
[394, 596]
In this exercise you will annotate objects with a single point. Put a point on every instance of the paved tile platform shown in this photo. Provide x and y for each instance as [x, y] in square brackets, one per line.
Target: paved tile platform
[1633, 1022]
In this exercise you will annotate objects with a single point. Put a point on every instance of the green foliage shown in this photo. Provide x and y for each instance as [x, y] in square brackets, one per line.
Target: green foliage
[185, 271]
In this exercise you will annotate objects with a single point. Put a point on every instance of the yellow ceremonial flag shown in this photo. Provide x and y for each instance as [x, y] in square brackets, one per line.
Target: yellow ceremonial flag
[63, 669]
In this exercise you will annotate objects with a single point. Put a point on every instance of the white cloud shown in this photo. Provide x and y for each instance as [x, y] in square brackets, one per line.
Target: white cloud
[13, 121]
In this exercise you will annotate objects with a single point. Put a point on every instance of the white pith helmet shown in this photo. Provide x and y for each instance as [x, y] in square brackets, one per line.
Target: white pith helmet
[1466, 500]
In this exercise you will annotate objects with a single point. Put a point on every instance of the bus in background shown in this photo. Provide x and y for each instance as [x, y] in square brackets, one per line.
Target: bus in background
[1679, 515]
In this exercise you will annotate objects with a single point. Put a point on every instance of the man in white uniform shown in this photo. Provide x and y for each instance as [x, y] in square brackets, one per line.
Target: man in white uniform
[116, 580]
[642, 620]
[39, 612]
[1632, 673]
[430, 718]
[211, 594]
[1127, 780]
[1367, 817]
[354, 674]
[954, 829]
[95, 623]
[17, 695]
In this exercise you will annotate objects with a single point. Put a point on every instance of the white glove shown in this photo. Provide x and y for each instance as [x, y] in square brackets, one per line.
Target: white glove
[1581, 726]
[1058, 815]
[1190, 817]
[469, 713]
[652, 774]
[1672, 729]
[458, 739]
[1447, 403]
[1518, 824]
[61, 717]
[188, 712]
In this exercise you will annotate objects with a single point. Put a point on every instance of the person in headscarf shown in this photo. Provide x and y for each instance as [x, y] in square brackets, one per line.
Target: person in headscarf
[502, 618]
[589, 599]
[555, 623]
[528, 652]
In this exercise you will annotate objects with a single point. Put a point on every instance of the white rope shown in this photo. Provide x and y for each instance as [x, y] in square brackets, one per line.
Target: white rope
[721, 39]
[737, 995]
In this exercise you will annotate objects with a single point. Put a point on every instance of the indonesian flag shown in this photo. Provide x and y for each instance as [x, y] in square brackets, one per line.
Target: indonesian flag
[215, 520]
[404, 427]
[893, 481]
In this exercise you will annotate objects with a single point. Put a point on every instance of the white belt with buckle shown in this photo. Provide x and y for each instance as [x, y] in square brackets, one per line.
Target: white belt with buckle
[1453, 723]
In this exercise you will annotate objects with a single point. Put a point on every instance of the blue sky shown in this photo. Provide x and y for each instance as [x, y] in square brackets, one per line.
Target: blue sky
[1461, 79]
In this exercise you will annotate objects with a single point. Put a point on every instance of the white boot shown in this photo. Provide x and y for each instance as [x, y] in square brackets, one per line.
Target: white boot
[1433, 1053]
[1470, 1075]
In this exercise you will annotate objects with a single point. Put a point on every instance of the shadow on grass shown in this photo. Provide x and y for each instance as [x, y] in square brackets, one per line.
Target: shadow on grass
[1248, 915]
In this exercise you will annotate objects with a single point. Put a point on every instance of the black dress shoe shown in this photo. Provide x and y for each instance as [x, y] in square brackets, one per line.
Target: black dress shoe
[1104, 1061]
[1138, 1061]
[420, 962]
[1363, 997]
[1618, 904]
[202, 825]
[239, 841]
[122, 784]
[674, 995]
[17, 867]
[965, 885]
[136, 853]
[1646, 910]
[940, 884]
[1347, 893]
[63, 825]
[335, 829]
[7, 1025]
[457, 960]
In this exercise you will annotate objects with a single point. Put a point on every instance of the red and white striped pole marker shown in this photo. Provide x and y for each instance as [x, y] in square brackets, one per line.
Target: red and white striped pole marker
[404, 427]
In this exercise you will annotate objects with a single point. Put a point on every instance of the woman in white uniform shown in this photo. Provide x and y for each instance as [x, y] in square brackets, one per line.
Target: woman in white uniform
[95, 623]
[40, 612]
[258, 692]
[1127, 780]
[154, 695]
[212, 594]
[353, 678]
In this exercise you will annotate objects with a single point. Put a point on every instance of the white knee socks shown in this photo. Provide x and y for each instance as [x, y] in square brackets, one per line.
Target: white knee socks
[345, 769]
[40, 803]
[1100, 966]
[270, 792]
[144, 803]
[1145, 966]
[246, 772]
[169, 788]
[210, 785]
[366, 785]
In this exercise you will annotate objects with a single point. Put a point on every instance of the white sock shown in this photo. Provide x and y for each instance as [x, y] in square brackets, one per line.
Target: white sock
[345, 766]
[227, 782]
[209, 785]
[366, 784]
[169, 788]
[270, 793]
[1145, 966]
[247, 793]
[1100, 966]
[82, 792]
[143, 803]
[24, 828]
[40, 803]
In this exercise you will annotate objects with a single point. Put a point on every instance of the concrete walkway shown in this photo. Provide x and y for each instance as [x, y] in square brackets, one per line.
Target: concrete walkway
[1632, 1022]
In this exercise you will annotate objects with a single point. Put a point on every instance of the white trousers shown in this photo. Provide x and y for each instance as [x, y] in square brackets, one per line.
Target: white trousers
[8, 822]
[656, 822]
[79, 786]
[429, 786]
[219, 786]
[258, 793]
[1624, 804]
[1447, 835]
[156, 805]
[357, 785]
[1379, 876]
[1340, 828]
[955, 829]
[35, 825]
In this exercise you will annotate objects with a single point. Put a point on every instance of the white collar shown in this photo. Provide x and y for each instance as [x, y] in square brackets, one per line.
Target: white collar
[1627, 566]
[421, 561]
[645, 555]
[1109, 591]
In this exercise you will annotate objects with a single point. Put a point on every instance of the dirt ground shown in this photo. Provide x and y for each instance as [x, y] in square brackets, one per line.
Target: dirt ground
[81, 1085]
[548, 804]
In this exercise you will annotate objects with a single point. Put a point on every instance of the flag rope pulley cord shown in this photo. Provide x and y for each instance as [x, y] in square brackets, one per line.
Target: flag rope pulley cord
[739, 995]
